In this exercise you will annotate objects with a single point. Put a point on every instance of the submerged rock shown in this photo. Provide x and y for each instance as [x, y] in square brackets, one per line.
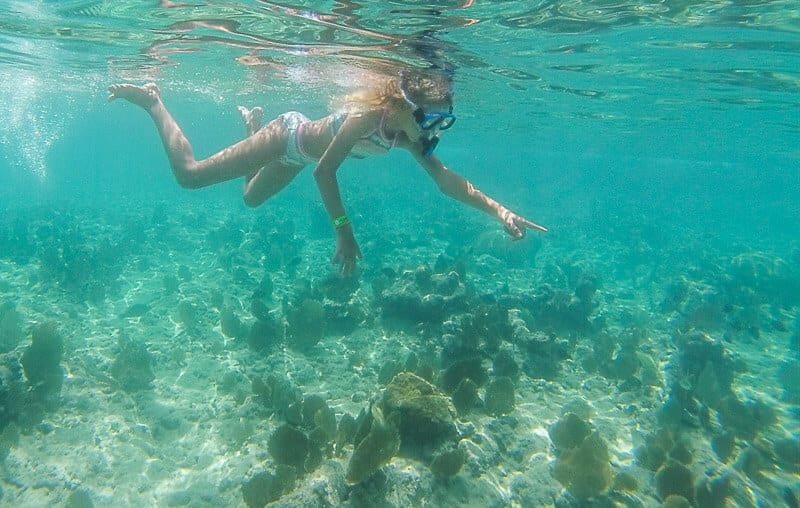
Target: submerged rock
[675, 479]
[585, 471]
[449, 462]
[41, 361]
[499, 398]
[14, 395]
[468, 368]
[10, 327]
[266, 487]
[289, 446]
[465, 396]
[306, 323]
[376, 448]
[569, 432]
[132, 367]
[421, 297]
[229, 322]
[425, 414]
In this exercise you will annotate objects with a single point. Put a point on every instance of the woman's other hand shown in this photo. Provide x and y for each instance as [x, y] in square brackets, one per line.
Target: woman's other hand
[516, 225]
[347, 250]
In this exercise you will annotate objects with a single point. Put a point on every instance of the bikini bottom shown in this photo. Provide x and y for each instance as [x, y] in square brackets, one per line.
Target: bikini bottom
[294, 155]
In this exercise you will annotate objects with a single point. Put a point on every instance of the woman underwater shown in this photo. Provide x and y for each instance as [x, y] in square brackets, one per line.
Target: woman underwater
[406, 111]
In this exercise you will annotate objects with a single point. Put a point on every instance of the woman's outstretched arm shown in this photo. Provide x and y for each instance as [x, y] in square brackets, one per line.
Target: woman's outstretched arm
[457, 187]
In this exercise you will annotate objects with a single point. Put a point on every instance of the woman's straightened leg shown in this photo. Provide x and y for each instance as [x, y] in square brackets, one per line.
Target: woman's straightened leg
[241, 159]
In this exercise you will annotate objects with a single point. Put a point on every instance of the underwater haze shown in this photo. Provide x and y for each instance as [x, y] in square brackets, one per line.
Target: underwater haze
[170, 347]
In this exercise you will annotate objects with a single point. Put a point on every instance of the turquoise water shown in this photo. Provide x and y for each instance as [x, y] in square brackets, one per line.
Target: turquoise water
[181, 334]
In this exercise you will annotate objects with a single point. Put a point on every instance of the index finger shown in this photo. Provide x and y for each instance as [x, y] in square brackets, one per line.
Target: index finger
[533, 225]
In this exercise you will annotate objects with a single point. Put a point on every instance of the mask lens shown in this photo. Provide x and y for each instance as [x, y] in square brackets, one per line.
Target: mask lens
[430, 122]
[447, 122]
[438, 121]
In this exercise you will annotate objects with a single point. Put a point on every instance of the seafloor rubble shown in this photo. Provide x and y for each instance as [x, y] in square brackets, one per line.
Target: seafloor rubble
[219, 369]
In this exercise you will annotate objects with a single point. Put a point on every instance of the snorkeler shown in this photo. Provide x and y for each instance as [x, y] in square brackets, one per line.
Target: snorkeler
[406, 112]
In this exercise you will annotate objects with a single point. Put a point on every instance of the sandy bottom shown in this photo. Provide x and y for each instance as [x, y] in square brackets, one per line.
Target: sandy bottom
[198, 433]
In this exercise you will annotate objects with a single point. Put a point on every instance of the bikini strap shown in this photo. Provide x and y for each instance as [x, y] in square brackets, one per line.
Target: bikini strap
[337, 121]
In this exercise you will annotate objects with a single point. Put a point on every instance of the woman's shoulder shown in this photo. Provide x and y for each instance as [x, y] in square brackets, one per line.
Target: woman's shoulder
[365, 113]
[368, 118]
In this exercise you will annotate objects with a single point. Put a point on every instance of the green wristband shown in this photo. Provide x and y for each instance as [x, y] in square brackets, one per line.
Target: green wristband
[340, 221]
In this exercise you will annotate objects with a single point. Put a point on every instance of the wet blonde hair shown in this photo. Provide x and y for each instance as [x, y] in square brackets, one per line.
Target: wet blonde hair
[391, 91]
[374, 96]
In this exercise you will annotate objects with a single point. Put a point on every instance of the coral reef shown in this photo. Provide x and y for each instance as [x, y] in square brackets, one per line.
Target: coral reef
[504, 364]
[543, 351]
[280, 395]
[499, 398]
[306, 323]
[620, 358]
[569, 431]
[675, 479]
[79, 498]
[82, 263]
[419, 295]
[412, 418]
[288, 445]
[448, 463]
[465, 396]
[714, 492]
[264, 333]
[730, 298]
[787, 453]
[745, 418]
[662, 446]
[30, 382]
[41, 361]
[133, 365]
[702, 369]
[676, 501]
[468, 368]
[265, 487]
[10, 326]
[766, 274]
[229, 322]
[583, 460]
[14, 395]
[585, 471]
[345, 432]
[564, 311]
[18, 242]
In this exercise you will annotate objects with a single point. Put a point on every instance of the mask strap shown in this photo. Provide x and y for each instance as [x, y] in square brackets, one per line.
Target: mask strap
[404, 93]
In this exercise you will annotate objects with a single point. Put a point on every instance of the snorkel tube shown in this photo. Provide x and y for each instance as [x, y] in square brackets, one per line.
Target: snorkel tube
[429, 145]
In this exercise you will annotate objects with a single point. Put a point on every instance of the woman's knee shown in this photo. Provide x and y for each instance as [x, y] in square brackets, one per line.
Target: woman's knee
[188, 181]
[252, 202]
[252, 199]
[186, 177]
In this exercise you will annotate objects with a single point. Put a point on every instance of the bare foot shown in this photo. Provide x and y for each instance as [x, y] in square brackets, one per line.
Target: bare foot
[143, 96]
[251, 117]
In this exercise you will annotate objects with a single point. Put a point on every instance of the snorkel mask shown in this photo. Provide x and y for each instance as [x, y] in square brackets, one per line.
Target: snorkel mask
[430, 124]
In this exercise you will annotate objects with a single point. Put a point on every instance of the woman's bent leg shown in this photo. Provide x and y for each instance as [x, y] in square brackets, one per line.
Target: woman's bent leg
[268, 181]
[241, 159]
